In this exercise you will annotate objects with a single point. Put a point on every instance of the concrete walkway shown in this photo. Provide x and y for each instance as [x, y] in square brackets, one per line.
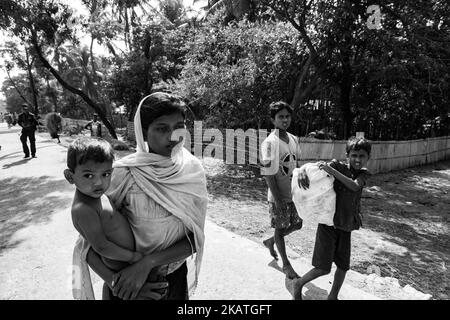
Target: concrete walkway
[37, 237]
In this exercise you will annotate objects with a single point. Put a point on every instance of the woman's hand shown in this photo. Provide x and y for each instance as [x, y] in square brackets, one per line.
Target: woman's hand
[128, 282]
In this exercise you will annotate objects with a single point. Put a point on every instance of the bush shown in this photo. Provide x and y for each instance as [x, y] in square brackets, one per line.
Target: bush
[233, 72]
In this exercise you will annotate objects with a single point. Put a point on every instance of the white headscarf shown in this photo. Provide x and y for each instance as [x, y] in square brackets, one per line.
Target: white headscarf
[177, 183]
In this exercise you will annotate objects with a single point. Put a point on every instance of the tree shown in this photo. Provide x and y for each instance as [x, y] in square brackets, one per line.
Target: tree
[12, 53]
[407, 47]
[233, 72]
[17, 91]
[39, 25]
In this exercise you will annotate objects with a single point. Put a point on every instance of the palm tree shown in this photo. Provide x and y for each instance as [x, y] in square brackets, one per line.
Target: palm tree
[235, 9]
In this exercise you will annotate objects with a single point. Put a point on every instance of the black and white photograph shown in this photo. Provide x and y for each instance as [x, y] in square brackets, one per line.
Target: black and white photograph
[246, 152]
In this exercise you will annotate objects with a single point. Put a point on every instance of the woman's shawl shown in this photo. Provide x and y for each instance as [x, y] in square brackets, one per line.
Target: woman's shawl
[81, 278]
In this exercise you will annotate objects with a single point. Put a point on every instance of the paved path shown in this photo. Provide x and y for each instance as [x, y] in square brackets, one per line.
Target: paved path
[37, 237]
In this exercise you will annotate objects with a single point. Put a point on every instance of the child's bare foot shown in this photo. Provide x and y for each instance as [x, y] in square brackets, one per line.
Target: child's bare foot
[269, 244]
[290, 272]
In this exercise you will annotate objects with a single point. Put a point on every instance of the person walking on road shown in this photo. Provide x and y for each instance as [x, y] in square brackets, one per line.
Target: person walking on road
[9, 120]
[95, 127]
[279, 153]
[53, 122]
[29, 123]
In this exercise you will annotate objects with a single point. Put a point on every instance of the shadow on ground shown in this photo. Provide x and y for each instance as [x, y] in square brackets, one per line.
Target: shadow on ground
[9, 155]
[410, 209]
[28, 201]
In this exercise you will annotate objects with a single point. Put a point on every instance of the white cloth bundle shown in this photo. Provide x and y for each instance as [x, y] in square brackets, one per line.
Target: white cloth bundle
[319, 199]
[82, 288]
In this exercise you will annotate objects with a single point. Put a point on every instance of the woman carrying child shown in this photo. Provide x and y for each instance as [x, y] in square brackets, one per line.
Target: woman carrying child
[161, 189]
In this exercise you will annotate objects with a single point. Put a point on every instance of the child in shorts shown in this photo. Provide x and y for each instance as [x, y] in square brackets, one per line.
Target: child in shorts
[333, 242]
[280, 152]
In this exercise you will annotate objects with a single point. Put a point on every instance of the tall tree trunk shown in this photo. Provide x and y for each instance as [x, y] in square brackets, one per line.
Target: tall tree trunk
[300, 94]
[32, 84]
[91, 54]
[78, 92]
[345, 93]
[346, 85]
[54, 97]
[15, 87]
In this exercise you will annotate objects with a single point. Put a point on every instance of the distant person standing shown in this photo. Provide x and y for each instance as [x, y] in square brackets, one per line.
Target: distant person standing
[53, 122]
[95, 127]
[29, 123]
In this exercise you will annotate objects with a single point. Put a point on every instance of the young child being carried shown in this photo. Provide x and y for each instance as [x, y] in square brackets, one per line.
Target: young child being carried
[89, 162]
[279, 153]
[333, 242]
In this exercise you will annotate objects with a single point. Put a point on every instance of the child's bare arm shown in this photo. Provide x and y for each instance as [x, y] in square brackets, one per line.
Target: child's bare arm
[273, 186]
[353, 185]
[96, 263]
[88, 221]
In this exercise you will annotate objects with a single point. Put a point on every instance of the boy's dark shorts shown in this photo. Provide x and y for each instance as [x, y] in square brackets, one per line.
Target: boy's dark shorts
[284, 217]
[331, 245]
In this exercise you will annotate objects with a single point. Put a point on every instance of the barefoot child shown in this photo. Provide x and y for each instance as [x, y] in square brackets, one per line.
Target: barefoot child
[333, 242]
[280, 152]
[89, 163]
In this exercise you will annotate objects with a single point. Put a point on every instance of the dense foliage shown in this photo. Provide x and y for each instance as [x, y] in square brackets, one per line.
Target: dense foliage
[391, 81]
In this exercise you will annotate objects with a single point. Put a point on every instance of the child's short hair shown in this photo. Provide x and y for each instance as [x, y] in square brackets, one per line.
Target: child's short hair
[358, 143]
[88, 148]
[160, 104]
[277, 106]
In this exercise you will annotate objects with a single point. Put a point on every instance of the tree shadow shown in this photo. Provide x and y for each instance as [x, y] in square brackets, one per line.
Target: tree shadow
[411, 213]
[13, 154]
[17, 163]
[6, 132]
[423, 265]
[8, 155]
[28, 201]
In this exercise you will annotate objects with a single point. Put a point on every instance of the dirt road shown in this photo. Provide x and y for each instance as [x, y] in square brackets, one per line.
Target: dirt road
[37, 237]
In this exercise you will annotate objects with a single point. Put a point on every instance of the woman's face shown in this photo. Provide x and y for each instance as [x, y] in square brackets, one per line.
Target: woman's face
[165, 132]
